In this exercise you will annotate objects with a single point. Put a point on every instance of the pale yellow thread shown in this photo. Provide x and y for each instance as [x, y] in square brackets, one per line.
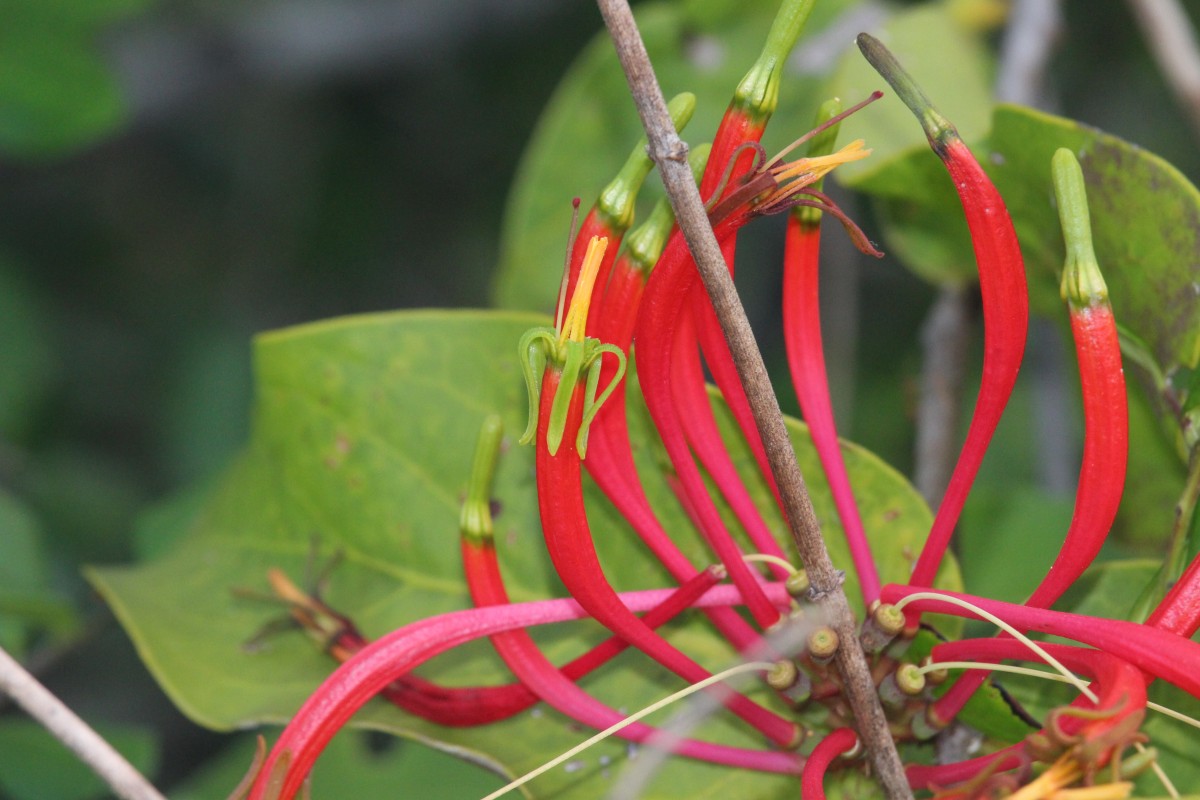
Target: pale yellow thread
[753, 666]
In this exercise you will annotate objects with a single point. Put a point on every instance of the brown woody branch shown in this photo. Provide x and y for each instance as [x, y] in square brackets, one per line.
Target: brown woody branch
[670, 154]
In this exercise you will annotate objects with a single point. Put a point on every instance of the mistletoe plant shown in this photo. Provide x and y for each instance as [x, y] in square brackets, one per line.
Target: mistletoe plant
[660, 501]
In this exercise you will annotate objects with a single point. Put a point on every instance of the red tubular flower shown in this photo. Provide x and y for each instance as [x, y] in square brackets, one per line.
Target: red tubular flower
[612, 213]
[355, 682]
[610, 456]
[1160, 653]
[1106, 416]
[536, 672]
[561, 434]
[665, 302]
[806, 361]
[1001, 283]
[1179, 611]
[837, 743]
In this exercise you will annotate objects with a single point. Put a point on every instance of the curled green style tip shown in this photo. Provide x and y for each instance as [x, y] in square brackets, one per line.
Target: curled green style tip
[617, 200]
[939, 130]
[475, 521]
[758, 92]
[1082, 283]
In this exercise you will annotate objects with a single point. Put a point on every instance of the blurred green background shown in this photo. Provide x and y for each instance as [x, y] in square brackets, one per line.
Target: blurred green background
[178, 175]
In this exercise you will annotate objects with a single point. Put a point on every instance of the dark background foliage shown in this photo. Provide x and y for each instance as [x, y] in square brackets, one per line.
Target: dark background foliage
[178, 175]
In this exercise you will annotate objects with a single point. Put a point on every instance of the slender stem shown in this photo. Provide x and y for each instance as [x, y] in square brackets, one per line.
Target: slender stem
[670, 153]
[1185, 509]
[1172, 40]
[125, 781]
[944, 336]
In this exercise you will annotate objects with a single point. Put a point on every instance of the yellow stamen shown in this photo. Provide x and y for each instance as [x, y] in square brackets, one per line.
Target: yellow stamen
[820, 166]
[574, 324]
[1108, 791]
[793, 176]
[1062, 773]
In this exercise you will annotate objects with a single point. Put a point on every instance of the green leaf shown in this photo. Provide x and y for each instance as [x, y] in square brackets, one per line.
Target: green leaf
[56, 92]
[363, 437]
[37, 766]
[590, 124]
[1000, 522]
[1145, 222]
[351, 761]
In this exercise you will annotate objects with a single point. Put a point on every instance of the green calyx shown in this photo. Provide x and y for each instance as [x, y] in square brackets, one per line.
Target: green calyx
[758, 93]
[617, 200]
[1082, 284]
[939, 130]
[475, 520]
[821, 145]
[577, 360]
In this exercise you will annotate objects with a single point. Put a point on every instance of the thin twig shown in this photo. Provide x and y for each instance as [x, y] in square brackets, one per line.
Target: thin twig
[1169, 34]
[125, 781]
[1034, 28]
[670, 154]
[944, 337]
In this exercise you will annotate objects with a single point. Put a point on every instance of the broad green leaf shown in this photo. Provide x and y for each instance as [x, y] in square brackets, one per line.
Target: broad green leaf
[37, 766]
[590, 125]
[363, 435]
[351, 767]
[1000, 522]
[1145, 222]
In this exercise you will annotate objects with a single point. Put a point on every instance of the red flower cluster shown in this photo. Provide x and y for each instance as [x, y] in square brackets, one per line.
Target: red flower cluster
[648, 297]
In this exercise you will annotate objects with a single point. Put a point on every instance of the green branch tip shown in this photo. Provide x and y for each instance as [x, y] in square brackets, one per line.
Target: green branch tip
[1082, 284]
[758, 92]
[939, 130]
[618, 199]
[821, 144]
[475, 521]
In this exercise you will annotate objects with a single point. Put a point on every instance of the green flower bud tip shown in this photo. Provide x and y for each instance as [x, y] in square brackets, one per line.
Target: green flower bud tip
[758, 92]
[939, 130]
[1082, 284]
[475, 521]
[617, 200]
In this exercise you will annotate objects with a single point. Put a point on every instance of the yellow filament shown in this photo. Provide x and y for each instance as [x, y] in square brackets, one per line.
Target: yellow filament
[1107, 791]
[767, 558]
[1062, 773]
[1068, 676]
[820, 166]
[576, 320]
[753, 666]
